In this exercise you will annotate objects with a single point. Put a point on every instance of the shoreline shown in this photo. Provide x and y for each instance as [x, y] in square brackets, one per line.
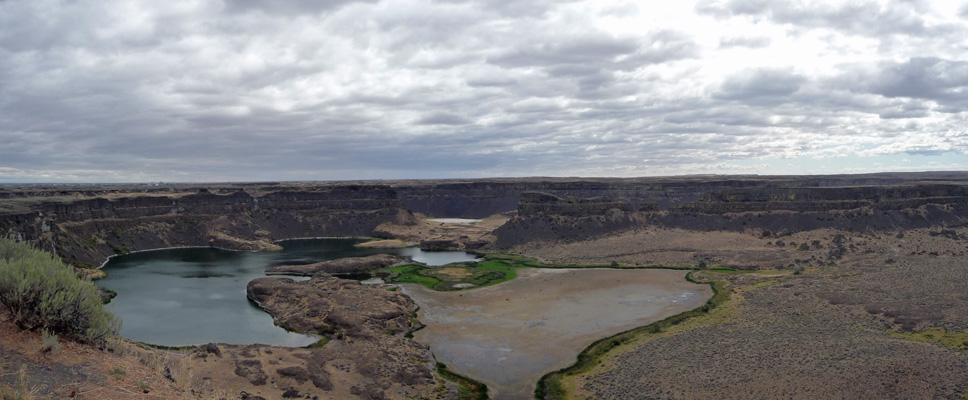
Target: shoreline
[227, 249]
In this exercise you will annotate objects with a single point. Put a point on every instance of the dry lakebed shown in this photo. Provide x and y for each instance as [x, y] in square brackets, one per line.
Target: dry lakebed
[508, 335]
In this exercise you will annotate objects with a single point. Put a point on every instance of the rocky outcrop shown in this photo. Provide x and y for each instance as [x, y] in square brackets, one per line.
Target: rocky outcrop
[367, 326]
[348, 265]
[334, 307]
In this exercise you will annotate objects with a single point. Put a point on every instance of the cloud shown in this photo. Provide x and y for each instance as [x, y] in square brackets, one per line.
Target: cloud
[919, 84]
[759, 84]
[862, 18]
[287, 7]
[751, 42]
[125, 90]
[443, 119]
[945, 81]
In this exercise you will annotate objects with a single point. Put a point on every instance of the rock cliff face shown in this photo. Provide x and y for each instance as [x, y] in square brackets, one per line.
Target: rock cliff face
[85, 230]
[770, 210]
[483, 197]
[86, 223]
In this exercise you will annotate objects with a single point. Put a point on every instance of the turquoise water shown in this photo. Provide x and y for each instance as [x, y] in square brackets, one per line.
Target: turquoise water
[178, 297]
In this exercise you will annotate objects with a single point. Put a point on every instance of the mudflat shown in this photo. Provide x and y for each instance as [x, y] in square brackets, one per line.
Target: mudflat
[509, 335]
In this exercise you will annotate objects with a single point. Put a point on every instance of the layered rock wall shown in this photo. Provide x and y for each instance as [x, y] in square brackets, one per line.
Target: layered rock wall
[84, 231]
[765, 210]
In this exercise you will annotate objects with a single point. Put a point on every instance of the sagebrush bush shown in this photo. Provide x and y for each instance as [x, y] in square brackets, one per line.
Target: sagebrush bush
[41, 292]
[50, 344]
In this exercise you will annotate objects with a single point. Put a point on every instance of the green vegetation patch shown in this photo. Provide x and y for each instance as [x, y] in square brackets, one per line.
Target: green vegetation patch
[319, 343]
[41, 292]
[469, 388]
[411, 274]
[494, 269]
[957, 340]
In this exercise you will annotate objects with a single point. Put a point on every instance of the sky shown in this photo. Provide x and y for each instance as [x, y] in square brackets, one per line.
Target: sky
[250, 90]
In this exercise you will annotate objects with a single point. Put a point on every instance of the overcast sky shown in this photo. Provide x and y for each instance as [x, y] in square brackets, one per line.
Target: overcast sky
[250, 90]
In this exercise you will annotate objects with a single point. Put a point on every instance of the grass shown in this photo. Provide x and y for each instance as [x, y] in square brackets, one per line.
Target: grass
[494, 269]
[469, 388]
[49, 343]
[955, 340]
[411, 274]
[319, 343]
[118, 373]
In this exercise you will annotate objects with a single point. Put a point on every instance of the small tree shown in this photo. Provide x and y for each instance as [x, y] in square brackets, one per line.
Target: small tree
[40, 291]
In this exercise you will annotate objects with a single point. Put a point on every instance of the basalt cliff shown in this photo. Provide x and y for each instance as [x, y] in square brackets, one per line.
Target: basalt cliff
[84, 224]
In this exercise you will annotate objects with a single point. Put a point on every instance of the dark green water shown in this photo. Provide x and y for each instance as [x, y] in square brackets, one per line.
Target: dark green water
[192, 296]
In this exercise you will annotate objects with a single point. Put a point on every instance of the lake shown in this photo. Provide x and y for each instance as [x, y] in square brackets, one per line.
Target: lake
[190, 296]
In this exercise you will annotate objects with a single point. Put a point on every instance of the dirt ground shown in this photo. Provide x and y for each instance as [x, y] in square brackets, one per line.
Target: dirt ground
[82, 371]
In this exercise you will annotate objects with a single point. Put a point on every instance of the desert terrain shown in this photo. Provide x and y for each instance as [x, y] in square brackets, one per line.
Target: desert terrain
[846, 286]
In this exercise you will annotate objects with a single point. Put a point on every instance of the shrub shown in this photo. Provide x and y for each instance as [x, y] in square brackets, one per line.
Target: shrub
[41, 292]
[50, 343]
[118, 373]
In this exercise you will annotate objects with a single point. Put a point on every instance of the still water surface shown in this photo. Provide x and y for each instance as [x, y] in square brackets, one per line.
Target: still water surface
[190, 296]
